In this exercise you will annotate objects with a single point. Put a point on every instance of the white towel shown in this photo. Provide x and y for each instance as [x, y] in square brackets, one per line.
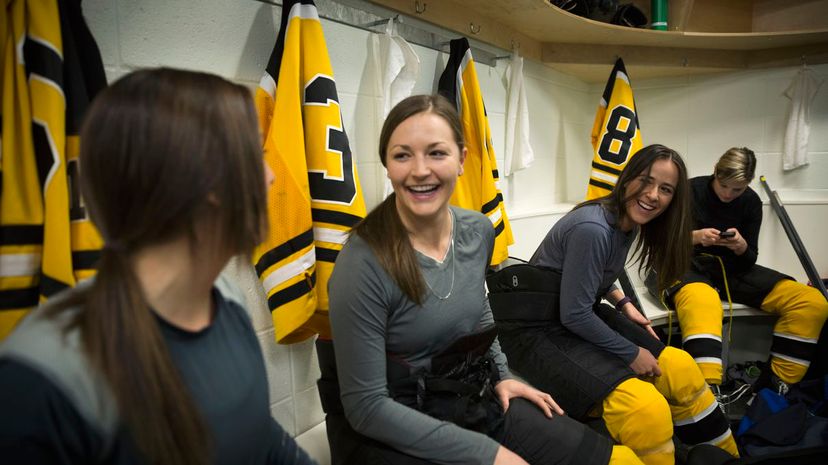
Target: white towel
[519, 154]
[802, 91]
[398, 67]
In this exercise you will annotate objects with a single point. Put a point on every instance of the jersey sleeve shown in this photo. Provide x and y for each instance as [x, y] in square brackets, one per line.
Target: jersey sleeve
[39, 424]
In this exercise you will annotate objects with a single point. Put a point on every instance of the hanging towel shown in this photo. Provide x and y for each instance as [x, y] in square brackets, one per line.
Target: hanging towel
[802, 91]
[519, 154]
[397, 66]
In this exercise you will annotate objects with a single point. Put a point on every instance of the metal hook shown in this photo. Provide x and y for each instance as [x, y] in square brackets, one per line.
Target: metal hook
[420, 8]
[474, 30]
[803, 61]
[684, 62]
[515, 45]
[395, 18]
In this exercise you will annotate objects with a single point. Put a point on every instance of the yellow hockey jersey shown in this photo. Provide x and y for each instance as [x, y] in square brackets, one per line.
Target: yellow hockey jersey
[316, 197]
[47, 242]
[616, 135]
[477, 189]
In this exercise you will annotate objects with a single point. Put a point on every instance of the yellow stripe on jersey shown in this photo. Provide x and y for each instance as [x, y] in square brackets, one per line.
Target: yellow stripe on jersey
[616, 134]
[37, 243]
[316, 197]
[477, 189]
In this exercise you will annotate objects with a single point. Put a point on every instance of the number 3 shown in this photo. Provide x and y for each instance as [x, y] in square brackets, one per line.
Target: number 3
[321, 91]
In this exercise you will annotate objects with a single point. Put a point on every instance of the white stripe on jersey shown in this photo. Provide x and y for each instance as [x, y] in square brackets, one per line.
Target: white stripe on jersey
[334, 236]
[289, 270]
[19, 264]
[605, 176]
[496, 215]
[267, 84]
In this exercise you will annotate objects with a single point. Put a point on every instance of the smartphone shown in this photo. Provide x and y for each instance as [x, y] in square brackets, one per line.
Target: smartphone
[727, 234]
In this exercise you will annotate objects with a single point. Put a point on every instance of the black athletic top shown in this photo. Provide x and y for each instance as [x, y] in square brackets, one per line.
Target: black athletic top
[743, 213]
[57, 410]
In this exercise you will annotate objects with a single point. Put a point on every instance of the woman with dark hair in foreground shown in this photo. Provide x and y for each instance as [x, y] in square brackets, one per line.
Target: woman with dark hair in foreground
[154, 361]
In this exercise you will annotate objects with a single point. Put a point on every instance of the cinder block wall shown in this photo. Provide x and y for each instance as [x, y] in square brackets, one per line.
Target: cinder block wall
[698, 116]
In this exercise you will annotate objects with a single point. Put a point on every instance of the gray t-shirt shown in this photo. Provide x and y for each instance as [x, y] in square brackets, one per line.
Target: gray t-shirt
[371, 318]
[590, 252]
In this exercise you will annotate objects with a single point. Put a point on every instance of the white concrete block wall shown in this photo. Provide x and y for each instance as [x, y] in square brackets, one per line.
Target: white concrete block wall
[699, 116]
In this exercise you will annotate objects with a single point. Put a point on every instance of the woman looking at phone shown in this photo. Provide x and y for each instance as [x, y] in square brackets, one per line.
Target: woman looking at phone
[728, 215]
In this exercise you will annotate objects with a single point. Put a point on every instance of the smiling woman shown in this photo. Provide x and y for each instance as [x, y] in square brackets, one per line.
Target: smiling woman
[655, 191]
[595, 358]
[423, 161]
[407, 300]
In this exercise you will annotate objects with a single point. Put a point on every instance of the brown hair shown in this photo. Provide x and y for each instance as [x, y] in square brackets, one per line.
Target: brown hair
[736, 165]
[155, 146]
[383, 229]
[665, 243]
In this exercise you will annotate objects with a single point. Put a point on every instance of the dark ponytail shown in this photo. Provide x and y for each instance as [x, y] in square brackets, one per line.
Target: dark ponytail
[122, 339]
[161, 151]
[385, 233]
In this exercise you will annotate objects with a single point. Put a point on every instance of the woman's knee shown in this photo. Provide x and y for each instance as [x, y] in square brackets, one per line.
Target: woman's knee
[681, 379]
[637, 415]
[698, 304]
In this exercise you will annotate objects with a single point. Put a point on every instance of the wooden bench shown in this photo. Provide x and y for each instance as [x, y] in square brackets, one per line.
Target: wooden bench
[750, 333]
[656, 312]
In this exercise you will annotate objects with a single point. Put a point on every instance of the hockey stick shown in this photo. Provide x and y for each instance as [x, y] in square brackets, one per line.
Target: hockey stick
[793, 236]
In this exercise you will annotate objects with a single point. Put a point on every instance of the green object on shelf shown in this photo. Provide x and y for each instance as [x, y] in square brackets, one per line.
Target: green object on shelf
[658, 14]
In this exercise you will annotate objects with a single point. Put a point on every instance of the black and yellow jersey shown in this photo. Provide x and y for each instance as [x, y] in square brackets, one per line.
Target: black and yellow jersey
[616, 134]
[477, 189]
[316, 197]
[51, 69]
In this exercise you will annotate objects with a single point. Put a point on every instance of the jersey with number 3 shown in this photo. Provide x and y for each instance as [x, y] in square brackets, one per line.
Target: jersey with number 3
[51, 70]
[315, 198]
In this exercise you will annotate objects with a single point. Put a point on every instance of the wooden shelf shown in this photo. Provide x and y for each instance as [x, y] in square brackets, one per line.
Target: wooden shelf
[587, 48]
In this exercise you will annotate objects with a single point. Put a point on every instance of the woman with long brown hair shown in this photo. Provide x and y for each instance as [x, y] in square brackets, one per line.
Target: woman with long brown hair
[421, 374]
[600, 361]
[155, 359]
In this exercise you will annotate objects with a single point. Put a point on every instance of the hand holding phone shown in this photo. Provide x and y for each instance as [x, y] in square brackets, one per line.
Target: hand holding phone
[727, 234]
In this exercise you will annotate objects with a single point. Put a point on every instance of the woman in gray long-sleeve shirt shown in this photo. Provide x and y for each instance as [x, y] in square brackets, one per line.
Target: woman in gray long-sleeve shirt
[409, 282]
[600, 360]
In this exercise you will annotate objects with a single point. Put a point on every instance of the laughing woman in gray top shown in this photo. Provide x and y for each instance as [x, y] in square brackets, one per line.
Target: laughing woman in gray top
[604, 361]
[409, 283]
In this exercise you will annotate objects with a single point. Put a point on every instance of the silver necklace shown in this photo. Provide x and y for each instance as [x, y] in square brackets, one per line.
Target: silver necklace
[453, 264]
